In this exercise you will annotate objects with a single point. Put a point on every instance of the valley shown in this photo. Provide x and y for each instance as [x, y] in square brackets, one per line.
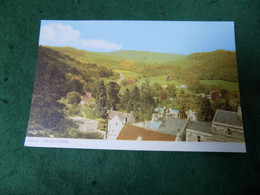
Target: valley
[73, 83]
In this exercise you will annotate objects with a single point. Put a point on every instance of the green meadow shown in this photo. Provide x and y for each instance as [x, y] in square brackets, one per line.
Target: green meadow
[230, 86]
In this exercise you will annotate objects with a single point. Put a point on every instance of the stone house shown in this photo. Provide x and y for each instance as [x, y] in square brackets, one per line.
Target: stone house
[226, 126]
[199, 131]
[116, 121]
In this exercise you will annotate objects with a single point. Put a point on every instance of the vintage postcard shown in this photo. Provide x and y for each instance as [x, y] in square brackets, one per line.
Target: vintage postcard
[136, 85]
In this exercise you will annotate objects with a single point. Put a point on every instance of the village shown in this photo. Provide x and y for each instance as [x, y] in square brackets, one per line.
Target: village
[165, 125]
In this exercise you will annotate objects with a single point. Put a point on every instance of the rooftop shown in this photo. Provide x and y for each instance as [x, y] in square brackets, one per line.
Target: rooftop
[204, 127]
[174, 110]
[227, 117]
[86, 97]
[78, 118]
[130, 132]
[171, 125]
[121, 115]
[158, 109]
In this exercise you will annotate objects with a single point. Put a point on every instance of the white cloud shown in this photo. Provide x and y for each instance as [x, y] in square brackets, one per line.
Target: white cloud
[97, 44]
[57, 34]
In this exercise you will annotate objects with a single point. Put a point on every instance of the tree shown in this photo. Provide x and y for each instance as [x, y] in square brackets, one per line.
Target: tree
[227, 106]
[125, 99]
[163, 95]
[127, 65]
[205, 111]
[197, 87]
[218, 104]
[102, 124]
[224, 93]
[147, 102]
[184, 104]
[113, 99]
[101, 100]
[155, 90]
[76, 85]
[135, 103]
[182, 111]
[73, 98]
[171, 90]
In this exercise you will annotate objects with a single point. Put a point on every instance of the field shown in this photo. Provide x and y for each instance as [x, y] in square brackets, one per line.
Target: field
[230, 86]
[159, 79]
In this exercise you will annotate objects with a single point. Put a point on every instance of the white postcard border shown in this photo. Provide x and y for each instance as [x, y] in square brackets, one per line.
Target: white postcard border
[135, 145]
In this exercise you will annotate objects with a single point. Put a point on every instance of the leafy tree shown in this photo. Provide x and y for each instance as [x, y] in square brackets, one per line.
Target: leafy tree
[197, 87]
[155, 91]
[113, 99]
[102, 125]
[73, 98]
[182, 111]
[224, 93]
[171, 90]
[127, 64]
[182, 92]
[163, 95]
[227, 106]
[218, 104]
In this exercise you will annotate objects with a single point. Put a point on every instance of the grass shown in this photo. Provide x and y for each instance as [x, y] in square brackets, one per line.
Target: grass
[122, 71]
[159, 79]
[90, 114]
[132, 75]
[230, 86]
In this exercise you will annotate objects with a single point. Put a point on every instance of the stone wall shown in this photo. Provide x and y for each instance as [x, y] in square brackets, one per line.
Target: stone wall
[228, 131]
[196, 136]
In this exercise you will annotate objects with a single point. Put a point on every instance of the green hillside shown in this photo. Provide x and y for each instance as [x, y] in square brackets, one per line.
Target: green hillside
[100, 59]
[113, 59]
[145, 56]
[57, 76]
[216, 65]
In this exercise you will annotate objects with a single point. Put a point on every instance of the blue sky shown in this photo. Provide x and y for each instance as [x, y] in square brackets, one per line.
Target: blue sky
[154, 36]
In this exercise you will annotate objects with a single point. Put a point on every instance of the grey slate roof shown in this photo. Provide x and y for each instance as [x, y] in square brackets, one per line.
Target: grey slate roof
[171, 125]
[227, 117]
[204, 127]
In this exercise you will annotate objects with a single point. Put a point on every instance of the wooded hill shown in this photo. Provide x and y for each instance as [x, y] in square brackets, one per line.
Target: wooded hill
[56, 76]
[216, 65]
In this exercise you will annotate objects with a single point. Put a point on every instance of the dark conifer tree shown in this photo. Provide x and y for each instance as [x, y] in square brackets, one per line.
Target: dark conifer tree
[205, 112]
[147, 101]
[113, 99]
[125, 99]
[101, 100]
[135, 103]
